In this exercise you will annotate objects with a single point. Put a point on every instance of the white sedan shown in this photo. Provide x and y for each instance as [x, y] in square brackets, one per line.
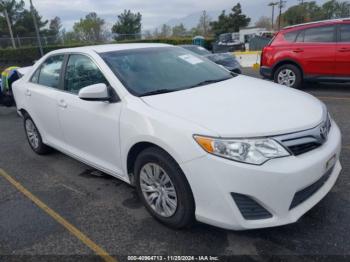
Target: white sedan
[196, 141]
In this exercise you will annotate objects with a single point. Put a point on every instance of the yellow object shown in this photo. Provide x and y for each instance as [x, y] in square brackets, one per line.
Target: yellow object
[256, 66]
[5, 76]
[247, 53]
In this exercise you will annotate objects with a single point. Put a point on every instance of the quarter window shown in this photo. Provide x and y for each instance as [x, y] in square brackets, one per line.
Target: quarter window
[320, 34]
[82, 72]
[35, 77]
[345, 33]
[49, 72]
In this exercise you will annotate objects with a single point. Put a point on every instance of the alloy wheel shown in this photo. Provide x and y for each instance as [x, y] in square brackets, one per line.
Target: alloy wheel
[286, 77]
[158, 190]
[32, 133]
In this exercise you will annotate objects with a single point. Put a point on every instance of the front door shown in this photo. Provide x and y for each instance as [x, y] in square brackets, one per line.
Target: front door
[91, 128]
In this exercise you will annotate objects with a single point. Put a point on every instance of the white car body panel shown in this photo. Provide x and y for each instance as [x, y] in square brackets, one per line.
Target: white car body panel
[220, 107]
[101, 134]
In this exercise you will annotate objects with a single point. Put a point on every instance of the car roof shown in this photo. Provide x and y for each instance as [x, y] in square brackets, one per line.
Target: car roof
[310, 24]
[109, 47]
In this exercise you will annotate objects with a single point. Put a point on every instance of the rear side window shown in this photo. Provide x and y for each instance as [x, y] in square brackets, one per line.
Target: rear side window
[291, 36]
[48, 74]
[323, 34]
[345, 33]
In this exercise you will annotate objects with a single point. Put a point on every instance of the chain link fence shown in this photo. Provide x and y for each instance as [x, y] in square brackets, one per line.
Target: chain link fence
[19, 42]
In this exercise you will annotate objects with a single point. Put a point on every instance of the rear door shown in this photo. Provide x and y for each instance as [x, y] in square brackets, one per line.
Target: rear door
[41, 94]
[316, 47]
[90, 128]
[343, 51]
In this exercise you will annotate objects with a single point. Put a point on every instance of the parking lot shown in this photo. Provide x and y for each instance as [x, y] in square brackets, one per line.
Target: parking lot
[55, 205]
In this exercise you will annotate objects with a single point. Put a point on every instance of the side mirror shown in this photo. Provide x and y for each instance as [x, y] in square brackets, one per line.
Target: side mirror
[97, 92]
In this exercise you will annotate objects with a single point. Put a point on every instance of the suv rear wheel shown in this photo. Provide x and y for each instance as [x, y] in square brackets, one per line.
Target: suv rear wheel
[288, 75]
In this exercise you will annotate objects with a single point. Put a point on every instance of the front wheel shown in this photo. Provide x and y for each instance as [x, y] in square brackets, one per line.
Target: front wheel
[163, 188]
[288, 75]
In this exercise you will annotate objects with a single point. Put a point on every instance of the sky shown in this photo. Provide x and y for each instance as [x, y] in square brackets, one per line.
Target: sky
[154, 12]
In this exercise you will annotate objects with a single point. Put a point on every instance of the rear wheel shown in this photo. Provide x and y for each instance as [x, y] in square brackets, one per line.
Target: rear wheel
[163, 188]
[34, 138]
[288, 75]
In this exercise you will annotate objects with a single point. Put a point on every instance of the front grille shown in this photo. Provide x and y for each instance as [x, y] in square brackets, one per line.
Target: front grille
[303, 148]
[307, 192]
[304, 141]
[250, 209]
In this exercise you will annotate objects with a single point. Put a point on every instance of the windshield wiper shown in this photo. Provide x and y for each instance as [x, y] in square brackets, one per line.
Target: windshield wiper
[211, 81]
[159, 91]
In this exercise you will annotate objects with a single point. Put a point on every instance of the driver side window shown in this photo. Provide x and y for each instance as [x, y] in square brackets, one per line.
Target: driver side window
[81, 72]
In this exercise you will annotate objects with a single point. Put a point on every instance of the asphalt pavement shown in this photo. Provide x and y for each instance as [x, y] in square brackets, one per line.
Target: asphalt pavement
[108, 212]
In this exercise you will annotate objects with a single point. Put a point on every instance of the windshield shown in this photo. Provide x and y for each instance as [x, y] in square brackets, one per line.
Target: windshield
[197, 49]
[149, 71]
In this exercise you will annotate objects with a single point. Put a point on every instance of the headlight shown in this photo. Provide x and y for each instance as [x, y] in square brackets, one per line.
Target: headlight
[251, 151]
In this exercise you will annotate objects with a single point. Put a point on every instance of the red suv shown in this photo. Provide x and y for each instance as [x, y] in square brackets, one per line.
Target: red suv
[318, 51]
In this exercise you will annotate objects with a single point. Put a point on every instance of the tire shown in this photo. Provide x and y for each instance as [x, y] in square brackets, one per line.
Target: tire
[183, 214]
[285, 73]
[34, 137]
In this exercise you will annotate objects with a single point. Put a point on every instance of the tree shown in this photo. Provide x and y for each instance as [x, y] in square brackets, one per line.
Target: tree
[69, 37]
[128, 24]
[90, 28]
[179, 30]
[343, 9]
[232, 22]
[24, 26]
[165, 31]
[155, 33]
[264, 22]
[13, 8]
[310, 11]
[194, 31]
[10, 9]
[147, 34]
[221, 25]
[306, 12]
[55, 26]
[203, 26]
[335, 9]
[237, 19]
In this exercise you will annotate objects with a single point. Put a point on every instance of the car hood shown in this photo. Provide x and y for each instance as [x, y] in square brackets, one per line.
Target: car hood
[243, 107]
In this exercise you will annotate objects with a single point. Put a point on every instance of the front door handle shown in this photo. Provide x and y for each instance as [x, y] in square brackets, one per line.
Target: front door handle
[344, 49]
[298, 50]
[28, 93]
[62, 103]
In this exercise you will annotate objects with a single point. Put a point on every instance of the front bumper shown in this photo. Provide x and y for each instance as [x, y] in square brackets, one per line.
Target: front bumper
[266, 72]
[272, 185]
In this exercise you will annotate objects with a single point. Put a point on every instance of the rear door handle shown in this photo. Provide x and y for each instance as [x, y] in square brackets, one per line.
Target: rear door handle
[298, 50]
[28, 93]
[62, 103]
[344, 49]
